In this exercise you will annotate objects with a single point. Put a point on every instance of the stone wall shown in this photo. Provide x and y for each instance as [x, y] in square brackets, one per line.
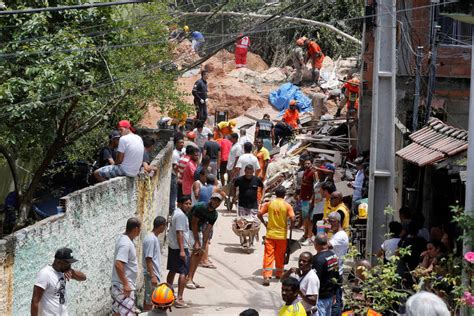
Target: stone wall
[93, 219]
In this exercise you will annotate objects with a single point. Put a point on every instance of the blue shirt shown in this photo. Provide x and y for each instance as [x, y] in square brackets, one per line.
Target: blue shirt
[357, 185]
[197, 35]
[205, 193]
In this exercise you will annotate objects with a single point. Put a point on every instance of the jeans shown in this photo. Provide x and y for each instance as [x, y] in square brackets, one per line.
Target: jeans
[324, 306]
[173, 193]
[336, 309]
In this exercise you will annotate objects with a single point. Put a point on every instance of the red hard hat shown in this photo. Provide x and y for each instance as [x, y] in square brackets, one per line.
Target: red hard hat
[190, 135]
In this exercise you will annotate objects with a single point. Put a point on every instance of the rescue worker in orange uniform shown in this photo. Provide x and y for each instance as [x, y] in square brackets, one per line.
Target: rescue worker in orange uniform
[350, 89]
[315, 54]
[290, 121]
[241, 48]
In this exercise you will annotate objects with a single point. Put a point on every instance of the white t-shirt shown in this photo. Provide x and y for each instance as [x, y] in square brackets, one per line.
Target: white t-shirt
[131, 145]
[176, 156]
[201, 138]
[179, 222]
[340, 244]
[309, 285]
[390, 246]
[54, 285]
[235, 151]
[245, 160]
[245, 139]
[125, 252]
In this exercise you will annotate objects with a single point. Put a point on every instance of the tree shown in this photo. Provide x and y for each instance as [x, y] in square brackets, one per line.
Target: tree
[66, 74]
[273, 41]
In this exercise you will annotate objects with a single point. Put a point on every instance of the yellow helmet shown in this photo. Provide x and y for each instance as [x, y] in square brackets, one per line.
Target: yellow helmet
[233, 123]
[186, 28]
[163, 295]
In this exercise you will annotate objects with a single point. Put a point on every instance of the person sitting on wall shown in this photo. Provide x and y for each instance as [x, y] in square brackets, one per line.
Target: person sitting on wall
[129, 155]
[108, 154]
[149, 144]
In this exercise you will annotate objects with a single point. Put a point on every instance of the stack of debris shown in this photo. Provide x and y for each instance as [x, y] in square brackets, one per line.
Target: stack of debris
[328, 141]
[246, 228]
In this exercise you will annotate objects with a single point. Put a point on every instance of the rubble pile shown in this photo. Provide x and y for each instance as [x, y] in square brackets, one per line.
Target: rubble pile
[183, 54]
[327, 140]
[239, 91]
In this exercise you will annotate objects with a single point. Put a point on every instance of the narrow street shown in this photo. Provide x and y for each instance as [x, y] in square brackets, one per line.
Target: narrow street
[236, 283]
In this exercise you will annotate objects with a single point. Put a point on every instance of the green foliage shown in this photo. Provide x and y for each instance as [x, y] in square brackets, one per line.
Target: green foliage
[379, 287]
[466, 222]
[382, 289]
[67, 77]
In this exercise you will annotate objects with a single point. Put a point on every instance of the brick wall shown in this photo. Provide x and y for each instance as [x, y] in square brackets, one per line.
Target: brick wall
[453, 61]
[93, 219]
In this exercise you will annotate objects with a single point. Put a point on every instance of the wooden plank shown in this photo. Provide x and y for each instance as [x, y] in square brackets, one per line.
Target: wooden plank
[323, 151]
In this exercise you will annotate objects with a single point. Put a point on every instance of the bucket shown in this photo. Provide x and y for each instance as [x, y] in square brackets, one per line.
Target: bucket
[362, 210]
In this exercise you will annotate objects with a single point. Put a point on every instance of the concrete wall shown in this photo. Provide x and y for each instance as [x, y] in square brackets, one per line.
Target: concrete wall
[93, 219]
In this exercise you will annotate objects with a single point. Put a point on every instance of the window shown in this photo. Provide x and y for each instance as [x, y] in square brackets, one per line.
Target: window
[453, 32]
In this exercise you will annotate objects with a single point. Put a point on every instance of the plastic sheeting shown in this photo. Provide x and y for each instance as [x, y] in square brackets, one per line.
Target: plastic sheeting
[280, 98]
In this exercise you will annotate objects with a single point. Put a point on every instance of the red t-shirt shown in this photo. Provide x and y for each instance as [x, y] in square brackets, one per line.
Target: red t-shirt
[226, 145]
[188, 177]
[307, 185]
[182, 162]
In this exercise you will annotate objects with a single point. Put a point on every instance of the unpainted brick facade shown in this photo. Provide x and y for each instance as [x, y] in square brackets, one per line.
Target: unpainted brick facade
[452, 66]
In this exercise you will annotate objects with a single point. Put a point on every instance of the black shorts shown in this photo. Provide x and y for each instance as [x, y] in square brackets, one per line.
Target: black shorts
[223, 167]
[316, 218]
[175, 263]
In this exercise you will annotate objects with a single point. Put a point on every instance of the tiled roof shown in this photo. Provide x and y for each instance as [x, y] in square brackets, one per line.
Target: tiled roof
[434, 142]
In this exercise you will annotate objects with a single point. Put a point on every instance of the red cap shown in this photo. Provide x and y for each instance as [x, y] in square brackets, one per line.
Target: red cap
[124, 124]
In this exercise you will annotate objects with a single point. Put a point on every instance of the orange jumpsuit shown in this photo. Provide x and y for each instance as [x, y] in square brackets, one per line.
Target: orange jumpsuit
[275, 241]
[291, 117]
[313, 49]
[352, 92]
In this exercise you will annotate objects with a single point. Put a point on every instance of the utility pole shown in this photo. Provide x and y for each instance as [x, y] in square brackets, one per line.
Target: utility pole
[416, 101]
[432, 78]
[382, 147]
[469, 202]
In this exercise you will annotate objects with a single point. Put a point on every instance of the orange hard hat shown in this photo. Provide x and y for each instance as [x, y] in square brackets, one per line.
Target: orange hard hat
[191, 135]
[292, 102]
[163, 295]
[300, 41]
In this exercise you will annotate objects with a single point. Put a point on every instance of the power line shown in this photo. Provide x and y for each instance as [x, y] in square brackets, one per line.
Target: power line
[219, 46]
[72, 7]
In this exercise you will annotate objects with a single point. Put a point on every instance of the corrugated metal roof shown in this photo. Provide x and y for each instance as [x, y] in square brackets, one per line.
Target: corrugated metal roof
[434, 142]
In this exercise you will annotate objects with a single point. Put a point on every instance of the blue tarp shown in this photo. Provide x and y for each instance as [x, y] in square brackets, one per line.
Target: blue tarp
[280, 98]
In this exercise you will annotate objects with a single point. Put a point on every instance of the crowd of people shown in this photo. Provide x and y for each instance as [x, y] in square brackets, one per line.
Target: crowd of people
[208, 167]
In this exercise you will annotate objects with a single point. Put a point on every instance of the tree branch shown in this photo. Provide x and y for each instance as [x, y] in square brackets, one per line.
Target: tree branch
[64, 121]
[90, 124]
[285, 18]
[11, 165]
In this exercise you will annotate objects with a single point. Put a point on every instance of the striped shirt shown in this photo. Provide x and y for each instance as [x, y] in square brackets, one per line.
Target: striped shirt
[183, 161]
